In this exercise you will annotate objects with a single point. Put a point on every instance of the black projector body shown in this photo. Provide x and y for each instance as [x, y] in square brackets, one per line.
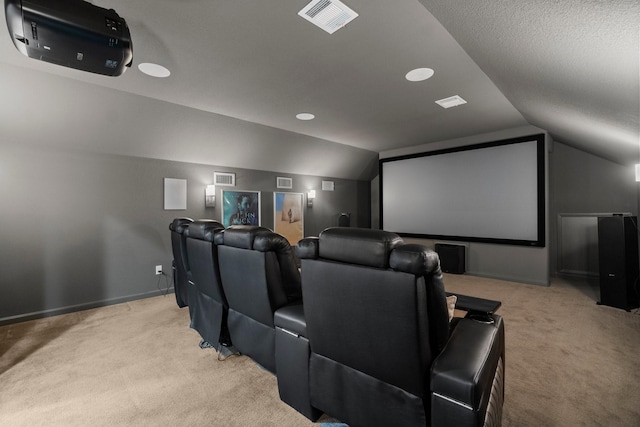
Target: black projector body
[71, 33]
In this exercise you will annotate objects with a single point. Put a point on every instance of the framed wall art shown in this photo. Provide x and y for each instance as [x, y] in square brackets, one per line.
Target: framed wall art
[175, 194]
[288, 218]
[240, 207]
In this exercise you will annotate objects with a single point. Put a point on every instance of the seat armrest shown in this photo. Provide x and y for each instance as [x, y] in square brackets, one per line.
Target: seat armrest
[463, 374]
[292, 359]
[291, 319]
[476, 305]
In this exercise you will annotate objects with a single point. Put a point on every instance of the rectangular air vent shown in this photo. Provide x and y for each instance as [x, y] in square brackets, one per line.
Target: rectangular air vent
[330, 15]
[282, 182]
[452, 101]
[224, 178]
[328, 185]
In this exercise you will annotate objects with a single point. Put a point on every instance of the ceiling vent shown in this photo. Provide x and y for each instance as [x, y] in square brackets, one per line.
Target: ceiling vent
[330, 15]
[452, 101]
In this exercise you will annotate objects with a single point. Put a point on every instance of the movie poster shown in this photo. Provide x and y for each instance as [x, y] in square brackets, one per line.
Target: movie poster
[288, 217]
[240, 208]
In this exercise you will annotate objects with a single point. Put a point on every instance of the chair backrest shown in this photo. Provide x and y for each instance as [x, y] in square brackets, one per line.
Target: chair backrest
[376, 317]
[259, 275]
[202, 257]
[180, 260]
[209, 310]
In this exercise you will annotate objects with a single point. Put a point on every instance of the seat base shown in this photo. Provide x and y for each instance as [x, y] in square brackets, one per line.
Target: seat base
[358, 399]
[253, 339]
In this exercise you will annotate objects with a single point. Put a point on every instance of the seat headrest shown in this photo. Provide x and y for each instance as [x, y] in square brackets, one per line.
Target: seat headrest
[307, 248]
[180, 224]
[241, 236]
[203, 229]
[271, 242]
[414, 259]
[358, 245]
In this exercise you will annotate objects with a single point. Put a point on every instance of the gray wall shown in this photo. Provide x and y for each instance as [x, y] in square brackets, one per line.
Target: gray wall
[82, 229]
[584, 186]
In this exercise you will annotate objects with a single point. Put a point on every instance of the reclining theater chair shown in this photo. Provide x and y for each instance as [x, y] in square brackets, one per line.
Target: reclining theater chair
[382, 351]
[180, 263]
[259, 275]
[207, 303]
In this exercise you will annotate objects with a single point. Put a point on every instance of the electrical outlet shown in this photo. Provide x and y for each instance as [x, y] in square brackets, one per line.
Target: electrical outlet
[158, 269]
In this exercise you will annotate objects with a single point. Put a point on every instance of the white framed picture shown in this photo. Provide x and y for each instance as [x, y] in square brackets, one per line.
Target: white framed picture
[175, 194]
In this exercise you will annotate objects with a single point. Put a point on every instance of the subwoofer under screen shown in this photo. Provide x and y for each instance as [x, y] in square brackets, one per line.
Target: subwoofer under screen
[452, 259]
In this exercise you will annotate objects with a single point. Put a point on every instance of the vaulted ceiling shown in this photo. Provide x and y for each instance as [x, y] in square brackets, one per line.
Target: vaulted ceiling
[570, 67]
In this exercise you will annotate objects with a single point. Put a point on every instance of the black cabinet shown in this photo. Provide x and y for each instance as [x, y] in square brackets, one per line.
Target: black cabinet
[618, 261]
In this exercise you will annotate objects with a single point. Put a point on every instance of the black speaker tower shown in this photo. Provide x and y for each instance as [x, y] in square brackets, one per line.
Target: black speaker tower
[618, 258]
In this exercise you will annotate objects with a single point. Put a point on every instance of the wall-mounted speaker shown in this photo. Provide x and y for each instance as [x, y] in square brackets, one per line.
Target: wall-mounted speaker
[344, 220]
[618, 261]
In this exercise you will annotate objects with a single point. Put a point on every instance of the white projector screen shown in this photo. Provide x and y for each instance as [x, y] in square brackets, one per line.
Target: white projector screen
[492, 192]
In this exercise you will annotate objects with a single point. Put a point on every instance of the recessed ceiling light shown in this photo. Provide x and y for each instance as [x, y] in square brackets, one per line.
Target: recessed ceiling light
[419, 74]
[452, 101]
[305, 116]
[154, 70]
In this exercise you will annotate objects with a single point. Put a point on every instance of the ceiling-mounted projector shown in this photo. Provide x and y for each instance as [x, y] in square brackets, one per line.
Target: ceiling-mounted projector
[71, 33]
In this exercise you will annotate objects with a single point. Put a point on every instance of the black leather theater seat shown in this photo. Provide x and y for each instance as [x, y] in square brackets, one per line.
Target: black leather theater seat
[380, 347]
[259, 275]
[207, 303]
[180, 260]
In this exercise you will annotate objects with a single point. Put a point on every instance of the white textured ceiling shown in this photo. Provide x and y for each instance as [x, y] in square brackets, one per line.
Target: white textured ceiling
[570, 67]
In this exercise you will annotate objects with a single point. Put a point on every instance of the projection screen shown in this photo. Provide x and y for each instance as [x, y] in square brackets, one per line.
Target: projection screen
[492, 192]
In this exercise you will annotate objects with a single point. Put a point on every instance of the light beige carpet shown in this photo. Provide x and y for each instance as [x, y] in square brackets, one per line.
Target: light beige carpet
[569, 362]
[132, 364]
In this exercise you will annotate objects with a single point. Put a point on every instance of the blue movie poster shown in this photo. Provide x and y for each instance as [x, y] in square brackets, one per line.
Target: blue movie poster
[240, 208]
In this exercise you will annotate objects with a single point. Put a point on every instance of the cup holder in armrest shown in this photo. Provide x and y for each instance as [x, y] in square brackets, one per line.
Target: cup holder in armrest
[481, 317]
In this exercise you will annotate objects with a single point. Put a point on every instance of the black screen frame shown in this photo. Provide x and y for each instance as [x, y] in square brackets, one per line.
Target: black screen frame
[540, 241]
